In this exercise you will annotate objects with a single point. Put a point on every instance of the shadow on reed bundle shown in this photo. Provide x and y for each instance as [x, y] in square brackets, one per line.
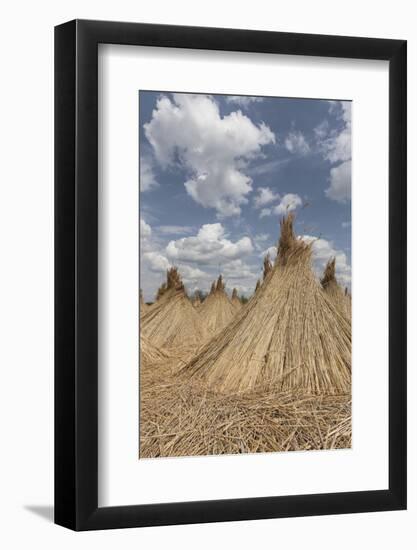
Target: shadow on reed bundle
[290, 336]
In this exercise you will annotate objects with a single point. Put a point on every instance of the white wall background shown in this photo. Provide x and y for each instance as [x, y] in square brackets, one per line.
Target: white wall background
[26, 273]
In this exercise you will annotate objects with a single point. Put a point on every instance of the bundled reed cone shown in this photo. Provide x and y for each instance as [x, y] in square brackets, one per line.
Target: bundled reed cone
[258, 286]
[290, 336]
[173, 322]
[335, 292]
[237, 304]
[217, 310]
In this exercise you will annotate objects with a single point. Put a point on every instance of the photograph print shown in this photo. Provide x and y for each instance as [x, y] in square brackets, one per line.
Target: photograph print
[245, 274]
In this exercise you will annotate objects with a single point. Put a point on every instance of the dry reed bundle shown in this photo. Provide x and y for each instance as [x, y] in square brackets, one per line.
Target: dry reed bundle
[237, 304]
[182, 418]
[335, 292]
[172, 321]
[290, 335]
[217, 310]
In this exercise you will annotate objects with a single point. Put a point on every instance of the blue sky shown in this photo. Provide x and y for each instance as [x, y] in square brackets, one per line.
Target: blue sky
[218, 172]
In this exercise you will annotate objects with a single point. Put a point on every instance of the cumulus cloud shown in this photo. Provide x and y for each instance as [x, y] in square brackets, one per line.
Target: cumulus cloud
[193, 274]
[260, 239]
[145, 229]
[147, 175]
[209, 246]
[156, 262]
[265, 196]
[237, 269]
[189, 130]
[340, 182]
[335, 146]
[243, 100]
[289, 202]
[265, 212]
[296, 143]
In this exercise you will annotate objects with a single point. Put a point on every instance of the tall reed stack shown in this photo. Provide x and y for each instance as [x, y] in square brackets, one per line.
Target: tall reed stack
[237, 304]
[217, 310]
[290, 336]
[172, 321]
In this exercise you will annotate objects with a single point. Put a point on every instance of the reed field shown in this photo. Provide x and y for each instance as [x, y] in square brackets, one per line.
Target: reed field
[219, 376]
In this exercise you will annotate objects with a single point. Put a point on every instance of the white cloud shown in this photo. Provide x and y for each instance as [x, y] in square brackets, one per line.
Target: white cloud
[335, 145]
[296, 143]
[209, 246]
[147, 176]
[265, 212]
[340, 182]
[213, 150]
[322, 130]
[156, 262]
[193, 274]
[243, 100]
[145, 229]
[237, 269]
[175, 229]
[289, 202]
[265, 196]
[260, 239]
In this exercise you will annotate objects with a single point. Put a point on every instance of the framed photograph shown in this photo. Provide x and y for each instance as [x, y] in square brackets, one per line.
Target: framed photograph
[230, 254]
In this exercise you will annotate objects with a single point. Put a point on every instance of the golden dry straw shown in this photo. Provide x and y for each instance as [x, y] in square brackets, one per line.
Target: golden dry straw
[183, 418]
[149, 354]
[237, 304]
[290, 336]
[172, 321]
[217, 310]
[335, 292]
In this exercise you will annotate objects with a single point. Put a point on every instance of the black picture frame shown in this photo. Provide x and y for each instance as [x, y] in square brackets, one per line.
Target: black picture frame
[76, 272]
